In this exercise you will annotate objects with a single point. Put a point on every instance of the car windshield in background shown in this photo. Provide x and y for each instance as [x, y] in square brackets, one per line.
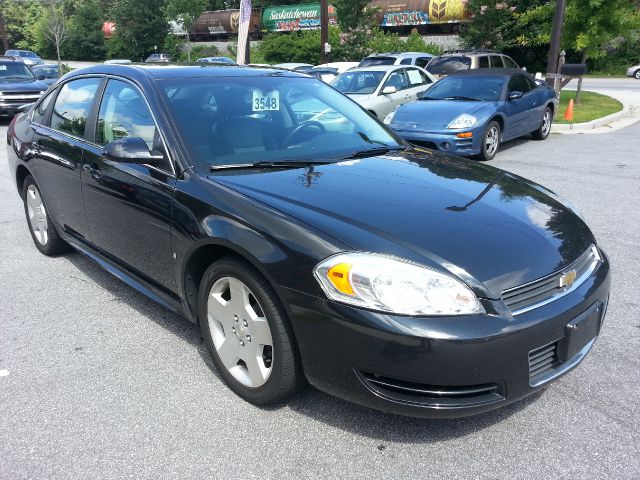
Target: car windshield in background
[470, 88]
[27, 54]
[47, 71]
[373, 61]
[15, 71]
[358, 82]
[448, 65]
[269, 119]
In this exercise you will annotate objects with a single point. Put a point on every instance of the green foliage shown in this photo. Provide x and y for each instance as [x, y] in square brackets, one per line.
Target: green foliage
[140, 24]
[297, 46]
[86, 40]
[22, 22]
[352, 13]
[185, 11]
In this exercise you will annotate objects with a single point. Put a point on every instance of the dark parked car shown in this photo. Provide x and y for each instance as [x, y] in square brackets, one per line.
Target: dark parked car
[325, 250]
[473, 111]
[47, 73]
[18, 86]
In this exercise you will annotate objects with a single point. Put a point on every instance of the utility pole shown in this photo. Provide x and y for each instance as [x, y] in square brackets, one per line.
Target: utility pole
[3, 34]
[556, 36]
[324, 29]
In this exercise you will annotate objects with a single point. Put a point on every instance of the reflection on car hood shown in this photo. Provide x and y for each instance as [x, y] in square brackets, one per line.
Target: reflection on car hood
[436, 113]
[493, 229]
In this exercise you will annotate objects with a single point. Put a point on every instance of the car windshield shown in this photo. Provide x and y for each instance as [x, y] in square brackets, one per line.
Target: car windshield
[373, 61]
[358, 82]
[449, 64]
[15, 71]
[47, 71]
[466, 87]
[27, 54]
[244, 120]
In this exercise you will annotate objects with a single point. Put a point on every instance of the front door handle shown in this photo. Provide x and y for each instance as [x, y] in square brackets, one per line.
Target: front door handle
[92, 170]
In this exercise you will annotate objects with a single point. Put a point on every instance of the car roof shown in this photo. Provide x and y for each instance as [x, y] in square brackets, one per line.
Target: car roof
[483, 72]
[400, 54]
[172, 70]
[381, 68]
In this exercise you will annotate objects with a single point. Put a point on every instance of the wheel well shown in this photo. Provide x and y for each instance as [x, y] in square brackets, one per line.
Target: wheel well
[552, 107]
[21, 174]
[498, 119]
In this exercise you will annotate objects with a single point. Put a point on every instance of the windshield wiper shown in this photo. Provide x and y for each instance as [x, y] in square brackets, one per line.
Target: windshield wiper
[372, 152]
[458, 97]
[426, 97]
[269, 164]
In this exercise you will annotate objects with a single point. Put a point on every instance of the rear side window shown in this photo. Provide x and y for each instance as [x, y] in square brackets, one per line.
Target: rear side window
[417, 78]
[509, 63]
[483, 62]
[373, 61]
[496, 61]
[72, 106]
[40, 111]
[449, 64]
[422, 61]
[406, 61]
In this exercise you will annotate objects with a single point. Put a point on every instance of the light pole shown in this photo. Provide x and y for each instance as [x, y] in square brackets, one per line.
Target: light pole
[556, 36]
[324, 30]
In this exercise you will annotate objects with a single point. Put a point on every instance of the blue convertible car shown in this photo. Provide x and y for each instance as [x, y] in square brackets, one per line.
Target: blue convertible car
[473, 111]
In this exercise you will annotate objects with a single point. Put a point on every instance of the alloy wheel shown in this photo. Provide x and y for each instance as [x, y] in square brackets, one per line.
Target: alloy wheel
[492, 140]
[240, 332]
[37, 215]
[546, 123]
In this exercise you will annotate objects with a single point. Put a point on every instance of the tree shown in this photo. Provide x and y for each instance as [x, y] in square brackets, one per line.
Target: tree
[86, 40]
[140, 25]
[352, 14]
[55, 29]
[186, 12]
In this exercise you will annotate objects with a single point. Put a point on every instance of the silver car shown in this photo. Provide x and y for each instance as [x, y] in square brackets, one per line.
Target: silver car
[634, 72]
[380, 89]
[28, 57]
[419, 59]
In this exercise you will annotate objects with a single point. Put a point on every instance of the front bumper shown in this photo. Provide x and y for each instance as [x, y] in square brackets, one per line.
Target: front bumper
[632, 70]
[440, 366]
[445, 140]
[10, 109]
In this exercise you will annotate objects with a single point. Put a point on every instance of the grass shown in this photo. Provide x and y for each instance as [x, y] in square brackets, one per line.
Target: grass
[592, 106]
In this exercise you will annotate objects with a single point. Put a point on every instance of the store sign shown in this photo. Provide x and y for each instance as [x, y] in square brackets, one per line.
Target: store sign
[409, 18]
[295, 17]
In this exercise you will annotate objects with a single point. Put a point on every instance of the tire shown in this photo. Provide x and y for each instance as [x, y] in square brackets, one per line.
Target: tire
[237, 335]
[489, 152]
[636, 74]
[43, 232]
[544, 129]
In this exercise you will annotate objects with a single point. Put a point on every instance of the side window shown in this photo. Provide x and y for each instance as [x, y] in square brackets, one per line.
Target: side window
[41, 110]
[496, 61]
[72, 106]
[531, 84]
[406, 61]
[518, 83]
[422, 61]
[397, 79]
[416, 78]
[509, 63]
[124, 113]
[483, 61]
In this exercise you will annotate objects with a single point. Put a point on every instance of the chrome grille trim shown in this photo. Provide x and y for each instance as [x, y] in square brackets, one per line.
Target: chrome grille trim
[545, 290]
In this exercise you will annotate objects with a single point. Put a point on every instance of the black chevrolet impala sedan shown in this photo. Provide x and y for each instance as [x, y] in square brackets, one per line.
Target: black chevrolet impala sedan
[308, 241]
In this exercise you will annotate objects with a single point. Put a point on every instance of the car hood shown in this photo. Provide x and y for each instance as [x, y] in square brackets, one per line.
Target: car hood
[491, 228]
[436, 113]
[20, 86]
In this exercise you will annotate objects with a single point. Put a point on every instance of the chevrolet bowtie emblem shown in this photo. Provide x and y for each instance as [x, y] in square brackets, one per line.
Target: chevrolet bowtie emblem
[567, 279]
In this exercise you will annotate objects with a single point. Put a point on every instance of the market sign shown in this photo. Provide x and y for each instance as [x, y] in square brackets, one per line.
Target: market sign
[397, 19]
[295, 17]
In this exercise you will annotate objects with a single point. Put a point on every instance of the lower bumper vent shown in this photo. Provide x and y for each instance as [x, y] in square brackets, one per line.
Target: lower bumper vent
[542, 360]
[429, 395]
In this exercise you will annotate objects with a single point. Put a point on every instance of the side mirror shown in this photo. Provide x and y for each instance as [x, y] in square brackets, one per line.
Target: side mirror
[388, 90]
[40, 76]
[131, 150]
[515, 95]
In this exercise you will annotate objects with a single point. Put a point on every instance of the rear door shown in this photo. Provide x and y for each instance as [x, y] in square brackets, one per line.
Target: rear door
[129, 205]
[58, 146]
[418, 82]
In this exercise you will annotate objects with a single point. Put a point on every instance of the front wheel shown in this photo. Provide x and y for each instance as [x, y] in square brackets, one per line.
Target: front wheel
[636, 74]
[42, 230]
[247, 332]
[490, 141]
[543, 130]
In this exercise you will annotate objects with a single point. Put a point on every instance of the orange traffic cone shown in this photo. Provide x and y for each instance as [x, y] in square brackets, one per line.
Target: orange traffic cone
[568, 113]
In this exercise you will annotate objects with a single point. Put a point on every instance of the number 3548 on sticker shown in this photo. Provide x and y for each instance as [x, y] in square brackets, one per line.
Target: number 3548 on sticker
[269, 101]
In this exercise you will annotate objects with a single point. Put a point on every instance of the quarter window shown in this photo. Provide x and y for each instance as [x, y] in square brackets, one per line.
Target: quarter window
[41, 110]
[72, 106]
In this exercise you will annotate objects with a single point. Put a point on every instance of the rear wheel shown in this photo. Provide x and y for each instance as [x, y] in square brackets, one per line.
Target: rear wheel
[42, 230]
[545, 125]
[490, 141]
[247, 332]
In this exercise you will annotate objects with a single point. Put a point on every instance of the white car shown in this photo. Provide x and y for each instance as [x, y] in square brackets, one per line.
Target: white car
[634, 72]
[380, 89]
[329, 71]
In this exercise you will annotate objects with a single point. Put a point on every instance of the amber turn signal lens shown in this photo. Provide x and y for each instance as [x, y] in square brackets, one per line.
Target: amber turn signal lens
[339, 277]
[464, 135]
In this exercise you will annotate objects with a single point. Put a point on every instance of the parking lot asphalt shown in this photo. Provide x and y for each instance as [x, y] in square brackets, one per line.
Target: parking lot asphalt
[97, 381]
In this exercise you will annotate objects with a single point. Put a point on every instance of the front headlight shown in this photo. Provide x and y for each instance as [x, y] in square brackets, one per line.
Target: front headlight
[463, 121]
[389, 118]
[395, 286]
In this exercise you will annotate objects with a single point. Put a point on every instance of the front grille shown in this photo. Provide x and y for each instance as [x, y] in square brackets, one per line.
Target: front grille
[440, 396]
[19, 97]
[539, 292]
[543, 359]
[424, 144]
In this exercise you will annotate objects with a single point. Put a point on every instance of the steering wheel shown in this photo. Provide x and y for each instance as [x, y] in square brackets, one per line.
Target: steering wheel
[301, 127]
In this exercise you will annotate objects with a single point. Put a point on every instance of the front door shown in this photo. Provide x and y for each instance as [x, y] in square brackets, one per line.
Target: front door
[128, 205]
